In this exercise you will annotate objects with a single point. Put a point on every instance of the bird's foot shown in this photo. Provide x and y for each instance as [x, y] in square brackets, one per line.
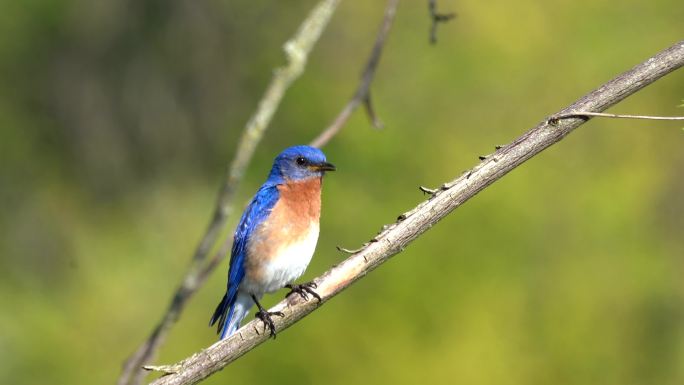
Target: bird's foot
[304, 290]
[265, 317]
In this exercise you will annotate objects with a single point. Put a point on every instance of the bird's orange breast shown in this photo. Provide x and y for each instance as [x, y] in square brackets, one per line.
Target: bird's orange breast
[291, 221]
[301, 200]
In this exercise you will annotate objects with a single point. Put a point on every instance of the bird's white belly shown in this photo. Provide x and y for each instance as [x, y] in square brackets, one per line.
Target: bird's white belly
[286, 265]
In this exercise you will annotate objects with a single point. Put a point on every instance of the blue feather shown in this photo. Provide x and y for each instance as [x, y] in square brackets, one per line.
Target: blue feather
[255, 213]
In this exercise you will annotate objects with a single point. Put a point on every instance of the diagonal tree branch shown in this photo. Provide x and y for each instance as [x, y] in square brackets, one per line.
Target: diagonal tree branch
[362, 94]
[297, 50]
[395, 237]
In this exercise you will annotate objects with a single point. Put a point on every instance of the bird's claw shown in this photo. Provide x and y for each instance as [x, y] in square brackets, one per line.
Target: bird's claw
[265, 317]
[304, 290]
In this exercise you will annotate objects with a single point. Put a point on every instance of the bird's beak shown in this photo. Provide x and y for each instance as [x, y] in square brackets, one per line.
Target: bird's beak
[325, 166]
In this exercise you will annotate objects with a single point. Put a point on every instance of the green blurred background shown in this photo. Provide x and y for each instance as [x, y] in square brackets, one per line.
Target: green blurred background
[118, 118]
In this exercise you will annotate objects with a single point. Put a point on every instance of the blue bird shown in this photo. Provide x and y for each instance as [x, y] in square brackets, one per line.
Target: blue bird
[275, 239]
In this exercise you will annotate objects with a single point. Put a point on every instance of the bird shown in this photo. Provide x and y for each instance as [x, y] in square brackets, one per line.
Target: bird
[275, 238]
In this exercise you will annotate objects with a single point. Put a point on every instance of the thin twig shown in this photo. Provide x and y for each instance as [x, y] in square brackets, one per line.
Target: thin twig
[394, 238]
[166, 369]
[362, 94]
[351, 251]
[429, 191]
[297, 50]
[575, 114]
[437, 18]
[375, 120]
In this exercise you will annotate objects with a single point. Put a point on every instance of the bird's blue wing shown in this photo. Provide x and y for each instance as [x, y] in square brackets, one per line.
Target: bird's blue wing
[257, 211]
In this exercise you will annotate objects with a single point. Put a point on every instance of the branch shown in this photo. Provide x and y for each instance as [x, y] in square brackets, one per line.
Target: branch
[395, 237]
[297, 50]
[362, 93]
[437, 18]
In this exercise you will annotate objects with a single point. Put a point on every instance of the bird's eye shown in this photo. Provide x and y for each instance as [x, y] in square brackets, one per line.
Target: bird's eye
[301, 161]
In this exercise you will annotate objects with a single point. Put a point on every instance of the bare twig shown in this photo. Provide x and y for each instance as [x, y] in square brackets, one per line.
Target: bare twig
[577, 114]
[437, 18]
[395, 237]
[362, 93]
[296, 50]
[429, 191]
[375, 121]
[351, 251]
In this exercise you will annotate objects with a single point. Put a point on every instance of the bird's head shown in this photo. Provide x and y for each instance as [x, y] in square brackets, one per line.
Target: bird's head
[299, 163]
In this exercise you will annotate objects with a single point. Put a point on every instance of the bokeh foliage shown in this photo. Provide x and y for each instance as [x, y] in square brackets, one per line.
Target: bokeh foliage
[117, 120]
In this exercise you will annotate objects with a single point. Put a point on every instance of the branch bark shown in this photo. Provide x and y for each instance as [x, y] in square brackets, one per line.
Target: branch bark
[296, 50]
[395, 237]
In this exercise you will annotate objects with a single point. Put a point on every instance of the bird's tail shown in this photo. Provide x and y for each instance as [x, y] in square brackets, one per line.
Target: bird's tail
[229, 313]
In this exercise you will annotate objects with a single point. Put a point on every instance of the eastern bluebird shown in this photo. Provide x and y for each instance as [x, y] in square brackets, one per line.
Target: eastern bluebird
[275, 239]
